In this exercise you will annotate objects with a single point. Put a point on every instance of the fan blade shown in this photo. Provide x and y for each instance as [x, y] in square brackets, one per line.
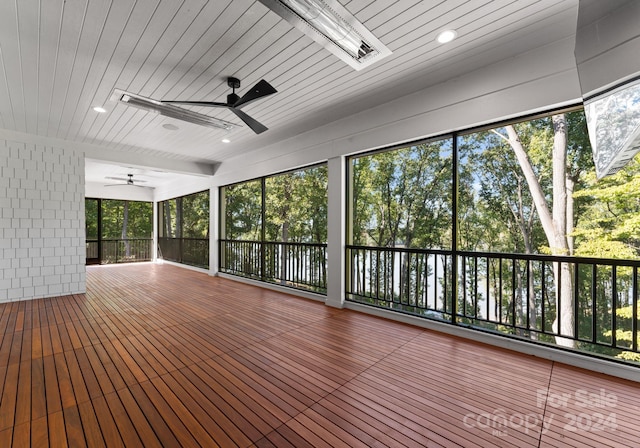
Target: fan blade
[260, 90]
[257, 127]
[125, 180]
[198, 103]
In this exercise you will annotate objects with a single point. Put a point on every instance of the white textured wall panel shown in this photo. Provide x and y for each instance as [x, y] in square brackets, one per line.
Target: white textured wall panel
[42, 242]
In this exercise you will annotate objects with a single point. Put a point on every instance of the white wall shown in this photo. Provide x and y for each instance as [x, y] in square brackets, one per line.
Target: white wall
[182, 188]
[121, 192]
[607, 43]
[42, 240]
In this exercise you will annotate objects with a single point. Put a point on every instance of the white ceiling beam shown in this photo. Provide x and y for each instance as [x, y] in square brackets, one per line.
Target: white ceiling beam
[99, 153]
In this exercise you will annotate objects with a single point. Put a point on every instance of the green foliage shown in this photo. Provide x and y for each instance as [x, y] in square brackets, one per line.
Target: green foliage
[498, 213]
[609, 227]
[139, 222]
[185, 217]
[403, 197]
[242, 215]
[297, 206]
[91, 218]
[195, 215]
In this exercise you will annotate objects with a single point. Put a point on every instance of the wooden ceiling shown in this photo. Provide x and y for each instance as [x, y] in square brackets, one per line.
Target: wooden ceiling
[60, 58]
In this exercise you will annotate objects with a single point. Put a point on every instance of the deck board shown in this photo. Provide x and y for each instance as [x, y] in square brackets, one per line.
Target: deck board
[155, 355]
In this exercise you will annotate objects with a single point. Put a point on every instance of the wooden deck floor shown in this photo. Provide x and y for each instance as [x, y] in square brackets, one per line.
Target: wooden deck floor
[155, 355]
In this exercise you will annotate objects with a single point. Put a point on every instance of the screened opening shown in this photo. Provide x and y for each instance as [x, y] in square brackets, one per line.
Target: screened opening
[183, 229]
[274, 229]
[118, 231]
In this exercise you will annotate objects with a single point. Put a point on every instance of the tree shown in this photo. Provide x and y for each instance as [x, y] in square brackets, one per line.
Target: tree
[609, 227]
[493, 190]
[553, 219]
[243, 211]
[402, 198]
[125, 221]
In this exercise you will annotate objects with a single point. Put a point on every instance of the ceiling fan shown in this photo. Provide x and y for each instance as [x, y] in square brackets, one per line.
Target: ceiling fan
[128, 181]
[235, 103]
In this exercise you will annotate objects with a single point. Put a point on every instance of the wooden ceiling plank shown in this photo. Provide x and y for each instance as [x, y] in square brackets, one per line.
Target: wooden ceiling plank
[254, 41]
[49, 46]
[12, 66]
[330, 93]
[79, 48]
[182, 34]
[28, 13]
[154, 28]
[123, 30]
[201, 53]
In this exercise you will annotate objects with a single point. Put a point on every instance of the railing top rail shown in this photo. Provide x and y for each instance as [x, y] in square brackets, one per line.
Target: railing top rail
[510, 256]
[182, 238]
[402, 249]
[554, 258]
[121, 239]
[287, 243]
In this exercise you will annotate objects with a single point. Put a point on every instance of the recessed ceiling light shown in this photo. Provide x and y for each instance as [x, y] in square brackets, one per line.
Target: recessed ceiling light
[170, 127]
[446, 36]
[100, 109]
[226, 140]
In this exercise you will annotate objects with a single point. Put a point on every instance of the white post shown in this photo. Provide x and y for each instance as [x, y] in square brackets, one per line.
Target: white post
[154, 234]
[213, 230]
[336, 231]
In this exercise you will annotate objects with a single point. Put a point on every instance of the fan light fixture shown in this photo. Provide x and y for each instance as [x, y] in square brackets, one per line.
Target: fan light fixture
[332, 26]
[170, 111]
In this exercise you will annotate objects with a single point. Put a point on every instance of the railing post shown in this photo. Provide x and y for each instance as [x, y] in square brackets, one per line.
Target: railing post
[634, 311]
[454, 229]
[263, 230]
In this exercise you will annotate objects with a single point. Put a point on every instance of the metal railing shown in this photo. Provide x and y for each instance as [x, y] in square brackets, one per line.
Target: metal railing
[191, 251]
[518, 295]
[297, 265]
[120, 250]
[92, 249]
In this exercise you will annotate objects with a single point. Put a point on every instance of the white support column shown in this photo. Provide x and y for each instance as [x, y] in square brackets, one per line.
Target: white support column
[214, 234]
[154, 243]
[336, 232]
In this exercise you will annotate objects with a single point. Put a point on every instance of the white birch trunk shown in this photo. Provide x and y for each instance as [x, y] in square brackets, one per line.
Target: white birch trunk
[554, 223]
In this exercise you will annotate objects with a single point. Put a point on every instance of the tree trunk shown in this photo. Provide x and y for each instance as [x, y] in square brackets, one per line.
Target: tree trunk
[284, 254]
[167, 220]
[553, 223]
[125, 223]
[179, 218]
[564, 321]
[570, 210]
